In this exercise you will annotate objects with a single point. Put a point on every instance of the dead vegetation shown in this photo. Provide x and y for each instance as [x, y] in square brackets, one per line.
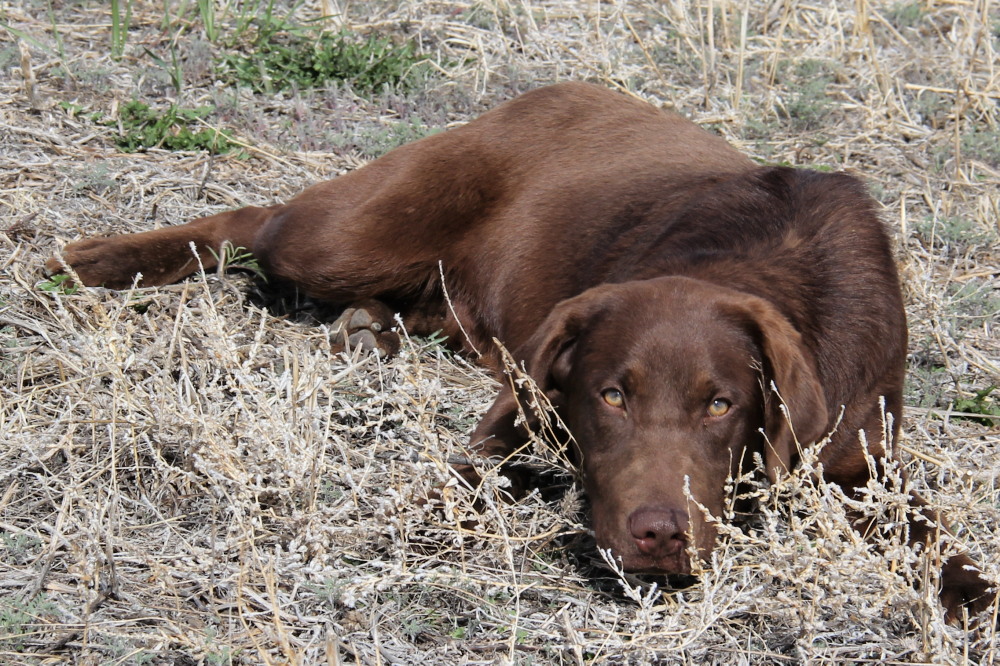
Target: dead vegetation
[185, 478]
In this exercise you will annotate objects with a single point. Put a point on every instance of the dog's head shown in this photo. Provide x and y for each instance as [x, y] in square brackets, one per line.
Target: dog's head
[666, 384]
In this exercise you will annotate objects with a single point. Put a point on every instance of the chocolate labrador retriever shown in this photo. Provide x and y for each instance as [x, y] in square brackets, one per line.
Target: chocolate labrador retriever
[686, 310]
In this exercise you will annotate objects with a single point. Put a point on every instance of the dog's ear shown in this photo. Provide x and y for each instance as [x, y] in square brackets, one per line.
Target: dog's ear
[551, 349]
[791, 381]
[548, 359]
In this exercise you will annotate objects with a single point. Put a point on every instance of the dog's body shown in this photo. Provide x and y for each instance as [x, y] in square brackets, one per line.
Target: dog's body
[656, 283]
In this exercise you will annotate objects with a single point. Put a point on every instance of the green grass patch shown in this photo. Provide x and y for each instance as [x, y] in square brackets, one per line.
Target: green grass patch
[975, 298]
[938, 233]
[285, 58]
[75, 110]
[141, 127]
[98, 177]
[933, 109]
[905, 14]
[982, 143]
[19, 617]
[809, 105]
[19, 547]
[376, 141]
[60, 284]
[980, 403]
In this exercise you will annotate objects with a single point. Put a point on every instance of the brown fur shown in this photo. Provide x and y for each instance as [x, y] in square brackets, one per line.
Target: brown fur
[608, 245]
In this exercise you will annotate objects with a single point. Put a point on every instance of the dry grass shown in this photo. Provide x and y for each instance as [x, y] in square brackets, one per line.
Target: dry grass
[187, 479]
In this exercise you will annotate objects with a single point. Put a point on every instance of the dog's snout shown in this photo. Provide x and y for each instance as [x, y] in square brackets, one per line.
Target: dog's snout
[659, 532]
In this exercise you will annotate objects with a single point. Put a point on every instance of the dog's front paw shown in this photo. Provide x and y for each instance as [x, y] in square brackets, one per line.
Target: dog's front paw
[114, 262]
[97, 262]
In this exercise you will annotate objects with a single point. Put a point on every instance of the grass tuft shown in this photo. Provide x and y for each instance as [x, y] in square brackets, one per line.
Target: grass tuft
[287, 58]
[141, 127]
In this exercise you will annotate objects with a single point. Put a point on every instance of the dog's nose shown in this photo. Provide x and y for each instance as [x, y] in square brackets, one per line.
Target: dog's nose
[659, 531]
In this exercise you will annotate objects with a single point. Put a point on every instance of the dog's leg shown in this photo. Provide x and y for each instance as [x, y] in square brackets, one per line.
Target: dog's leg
[962, 582]
[963, 585]
[161, 256]
[845, 463]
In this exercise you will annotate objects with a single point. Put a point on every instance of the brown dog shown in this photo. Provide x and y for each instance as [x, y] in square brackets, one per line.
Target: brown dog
[657, 284]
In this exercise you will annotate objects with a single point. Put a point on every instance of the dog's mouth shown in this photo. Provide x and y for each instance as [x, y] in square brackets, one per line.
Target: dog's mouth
[634, 561]
[679, 563]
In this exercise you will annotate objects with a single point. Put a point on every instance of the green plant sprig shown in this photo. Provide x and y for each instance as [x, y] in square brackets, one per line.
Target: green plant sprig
[142, 127]
[291, 59]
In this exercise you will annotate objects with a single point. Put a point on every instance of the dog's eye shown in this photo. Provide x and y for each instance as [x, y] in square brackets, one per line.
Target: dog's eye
[719, 407]
[613, 397]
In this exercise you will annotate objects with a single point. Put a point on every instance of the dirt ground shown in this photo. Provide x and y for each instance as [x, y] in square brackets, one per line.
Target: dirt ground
[188, 478]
